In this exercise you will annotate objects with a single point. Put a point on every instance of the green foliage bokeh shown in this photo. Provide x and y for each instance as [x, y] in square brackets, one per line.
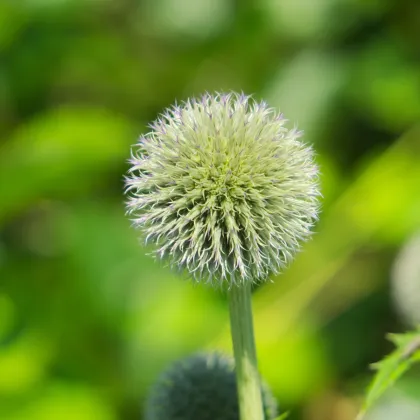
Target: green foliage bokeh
[87, 319]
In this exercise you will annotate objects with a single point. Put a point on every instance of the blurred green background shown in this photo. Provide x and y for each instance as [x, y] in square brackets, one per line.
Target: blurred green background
[87, 320]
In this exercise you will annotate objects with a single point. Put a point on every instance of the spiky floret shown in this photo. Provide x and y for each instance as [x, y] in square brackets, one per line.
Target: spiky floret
[201, 386]
[223, 189]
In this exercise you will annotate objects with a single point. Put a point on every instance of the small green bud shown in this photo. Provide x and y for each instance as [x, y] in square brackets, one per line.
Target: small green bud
[200, 387]
[223, 189]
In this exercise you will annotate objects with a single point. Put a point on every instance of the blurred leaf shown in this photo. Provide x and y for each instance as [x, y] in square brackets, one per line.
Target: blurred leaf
[183, 17]
[11, 23]
[7, 315]
[306, 88]
[64, 401]
[24, 363]
[386, 86]
[283, 416]
[393, 366]
[298, 18]
[59, 152]
[409, 385]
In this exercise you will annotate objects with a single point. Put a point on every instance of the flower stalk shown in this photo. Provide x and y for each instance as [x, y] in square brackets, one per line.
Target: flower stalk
[242, 331]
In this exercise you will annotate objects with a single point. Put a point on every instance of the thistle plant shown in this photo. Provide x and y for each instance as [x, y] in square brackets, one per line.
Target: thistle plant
[201, 386]
[227, 193]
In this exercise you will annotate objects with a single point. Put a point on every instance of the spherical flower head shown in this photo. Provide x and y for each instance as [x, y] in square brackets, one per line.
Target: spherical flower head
[223, 188]
[201, 386]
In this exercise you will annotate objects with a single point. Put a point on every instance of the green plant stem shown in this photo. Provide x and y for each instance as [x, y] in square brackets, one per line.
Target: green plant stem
[247, 376]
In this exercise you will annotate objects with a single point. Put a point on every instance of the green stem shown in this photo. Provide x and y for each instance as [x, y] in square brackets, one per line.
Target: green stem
[247, 376]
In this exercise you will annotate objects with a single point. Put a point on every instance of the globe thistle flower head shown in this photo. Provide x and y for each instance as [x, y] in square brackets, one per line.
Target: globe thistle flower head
[201, 386]
[223, 188]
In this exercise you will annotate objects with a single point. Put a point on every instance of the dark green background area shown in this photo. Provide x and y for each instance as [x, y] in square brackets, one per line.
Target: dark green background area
[87, 319]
